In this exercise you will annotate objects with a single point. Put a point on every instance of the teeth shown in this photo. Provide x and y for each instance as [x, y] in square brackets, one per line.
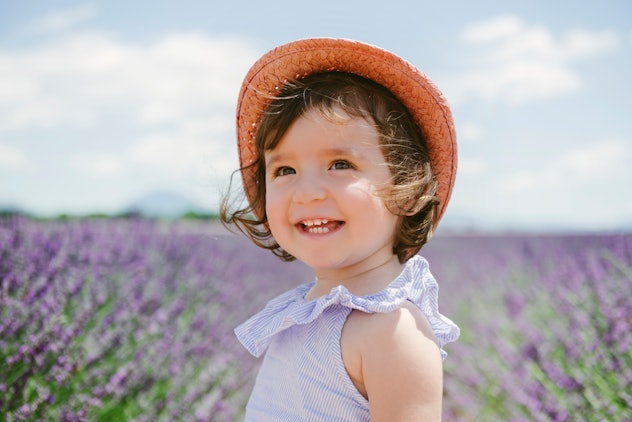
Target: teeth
[314, 226]
[318, 230]
[317, 222]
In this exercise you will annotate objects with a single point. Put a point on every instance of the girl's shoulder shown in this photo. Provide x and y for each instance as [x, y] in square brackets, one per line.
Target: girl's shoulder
[402, 326]
[413, 296]
[363, 331]
[384, 322]
[389, 355]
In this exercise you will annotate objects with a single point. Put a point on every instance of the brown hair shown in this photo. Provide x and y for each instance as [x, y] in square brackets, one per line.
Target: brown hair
[412, 194]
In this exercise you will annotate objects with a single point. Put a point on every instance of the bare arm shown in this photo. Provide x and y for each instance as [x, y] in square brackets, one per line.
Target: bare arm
[400, 366]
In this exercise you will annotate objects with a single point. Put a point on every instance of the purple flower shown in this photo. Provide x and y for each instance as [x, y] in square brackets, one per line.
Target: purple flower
[136, 317]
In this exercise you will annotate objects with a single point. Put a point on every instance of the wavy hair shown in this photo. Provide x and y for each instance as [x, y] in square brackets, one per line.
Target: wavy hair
[412, 193]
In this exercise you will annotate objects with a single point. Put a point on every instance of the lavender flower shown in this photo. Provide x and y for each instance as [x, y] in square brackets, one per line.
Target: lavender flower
[132, 319]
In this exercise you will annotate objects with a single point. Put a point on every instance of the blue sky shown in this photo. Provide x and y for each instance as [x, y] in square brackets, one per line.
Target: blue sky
[104, 102]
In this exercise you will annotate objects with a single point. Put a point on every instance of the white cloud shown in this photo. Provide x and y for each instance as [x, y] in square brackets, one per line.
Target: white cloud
[602, 162]
[102, 165]
[12, 157]
[170, 152]
[520, 181]
[516, 62]
[78, 79]
[63, 19]
[198, 149]
[164, 108]
[609, 158]
[469, 132]
[471, 166]
[492, 30]
[579, 43]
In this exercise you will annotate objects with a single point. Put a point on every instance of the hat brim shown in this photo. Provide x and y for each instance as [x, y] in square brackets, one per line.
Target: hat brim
[300, 58]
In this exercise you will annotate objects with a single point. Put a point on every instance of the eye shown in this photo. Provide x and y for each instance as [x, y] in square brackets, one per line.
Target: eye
[283, 171]
[341, 165]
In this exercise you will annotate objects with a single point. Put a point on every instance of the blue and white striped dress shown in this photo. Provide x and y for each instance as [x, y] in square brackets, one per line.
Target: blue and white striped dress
[302, 377]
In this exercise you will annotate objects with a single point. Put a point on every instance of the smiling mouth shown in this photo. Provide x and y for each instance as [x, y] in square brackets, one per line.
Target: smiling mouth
[319, 226]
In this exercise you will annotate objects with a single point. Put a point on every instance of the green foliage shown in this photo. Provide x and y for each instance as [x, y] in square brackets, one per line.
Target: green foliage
[547, 338]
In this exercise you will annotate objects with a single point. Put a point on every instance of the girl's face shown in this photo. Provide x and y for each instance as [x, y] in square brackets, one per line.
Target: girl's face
[322, 195]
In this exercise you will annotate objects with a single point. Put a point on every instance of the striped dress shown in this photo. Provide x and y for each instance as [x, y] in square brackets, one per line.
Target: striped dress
[302, 377]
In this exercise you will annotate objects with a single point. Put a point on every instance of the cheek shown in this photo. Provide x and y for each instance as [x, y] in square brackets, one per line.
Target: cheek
[365, 193]
[276, 212]
[274, 204]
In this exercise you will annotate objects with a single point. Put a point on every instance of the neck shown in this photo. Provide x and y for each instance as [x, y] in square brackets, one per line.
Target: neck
[359, 281]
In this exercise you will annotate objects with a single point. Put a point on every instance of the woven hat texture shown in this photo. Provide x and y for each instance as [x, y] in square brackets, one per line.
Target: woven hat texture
[300, 58]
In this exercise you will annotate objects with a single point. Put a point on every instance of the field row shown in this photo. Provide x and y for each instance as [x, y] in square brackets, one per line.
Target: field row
[132, 320]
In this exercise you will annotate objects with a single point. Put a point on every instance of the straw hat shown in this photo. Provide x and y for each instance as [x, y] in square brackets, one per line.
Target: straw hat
[298, 59]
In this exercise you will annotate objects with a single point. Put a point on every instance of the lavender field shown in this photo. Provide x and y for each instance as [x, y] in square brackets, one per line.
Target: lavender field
[131, 319]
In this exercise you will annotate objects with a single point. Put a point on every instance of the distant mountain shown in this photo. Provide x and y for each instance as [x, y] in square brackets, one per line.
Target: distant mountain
[164, 204]
[7, 208]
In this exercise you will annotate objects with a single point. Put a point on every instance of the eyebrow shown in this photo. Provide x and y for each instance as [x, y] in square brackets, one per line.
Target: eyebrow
[273, 158]
[343, 151]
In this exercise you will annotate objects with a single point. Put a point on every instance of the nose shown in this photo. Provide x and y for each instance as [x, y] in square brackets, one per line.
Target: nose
[308, 188]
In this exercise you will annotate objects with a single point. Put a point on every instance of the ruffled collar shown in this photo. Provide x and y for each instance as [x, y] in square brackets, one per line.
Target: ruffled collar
[415, 283]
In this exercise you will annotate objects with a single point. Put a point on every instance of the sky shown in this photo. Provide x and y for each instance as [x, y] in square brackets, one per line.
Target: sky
[104, 102]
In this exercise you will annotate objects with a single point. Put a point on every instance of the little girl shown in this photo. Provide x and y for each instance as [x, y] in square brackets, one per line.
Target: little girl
[348, 158]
